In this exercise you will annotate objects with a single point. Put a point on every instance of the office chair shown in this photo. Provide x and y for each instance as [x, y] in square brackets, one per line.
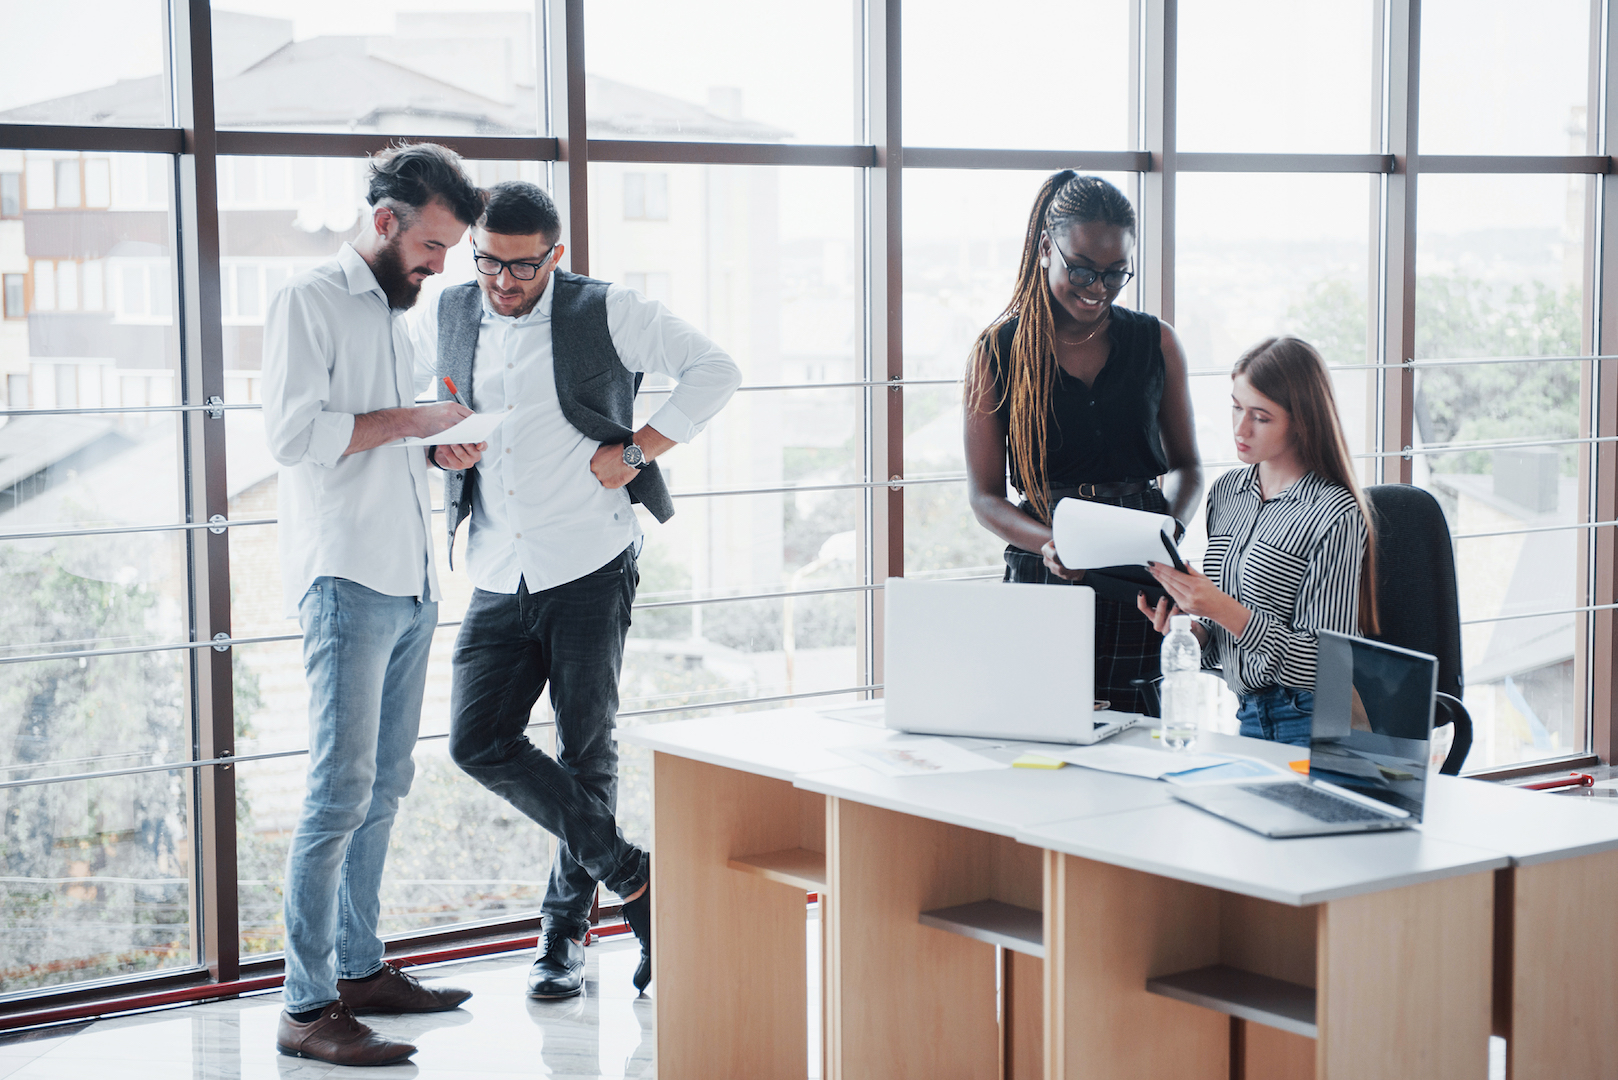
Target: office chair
[1417, 605]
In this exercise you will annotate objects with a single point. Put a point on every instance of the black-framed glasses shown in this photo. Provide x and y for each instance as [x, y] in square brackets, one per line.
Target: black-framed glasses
[521, 269]
[1082, 277]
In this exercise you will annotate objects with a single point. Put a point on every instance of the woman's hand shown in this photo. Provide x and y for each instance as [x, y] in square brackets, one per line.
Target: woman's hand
[1194, 594]
[1053, 563]
[1160, 615]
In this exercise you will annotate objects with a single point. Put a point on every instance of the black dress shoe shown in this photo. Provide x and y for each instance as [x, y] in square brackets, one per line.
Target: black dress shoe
[638, 914]
[559, 971]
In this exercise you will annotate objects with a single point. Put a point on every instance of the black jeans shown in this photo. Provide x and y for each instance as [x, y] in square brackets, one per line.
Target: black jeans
[509, 647]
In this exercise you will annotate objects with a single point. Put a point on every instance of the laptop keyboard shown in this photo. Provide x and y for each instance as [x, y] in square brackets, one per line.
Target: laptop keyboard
[1312, 802]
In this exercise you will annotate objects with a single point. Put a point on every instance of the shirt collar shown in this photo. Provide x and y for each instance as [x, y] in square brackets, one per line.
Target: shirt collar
[1304, 487]
[541, 311]
[358, 272]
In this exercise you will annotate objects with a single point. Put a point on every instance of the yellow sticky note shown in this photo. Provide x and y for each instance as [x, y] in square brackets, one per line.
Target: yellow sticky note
[1037, 761]
[1299, 766]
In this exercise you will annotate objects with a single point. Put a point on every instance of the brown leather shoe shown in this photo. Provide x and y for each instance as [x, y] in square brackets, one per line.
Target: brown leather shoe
[337, 1038]
[392, 991]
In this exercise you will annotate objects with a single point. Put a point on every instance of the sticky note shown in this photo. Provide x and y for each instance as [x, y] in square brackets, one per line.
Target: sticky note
[1299, 766]
[1037, 761]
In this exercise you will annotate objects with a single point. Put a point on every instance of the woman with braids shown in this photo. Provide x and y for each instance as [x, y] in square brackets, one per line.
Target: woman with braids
[1290, 547]
[1087, 400]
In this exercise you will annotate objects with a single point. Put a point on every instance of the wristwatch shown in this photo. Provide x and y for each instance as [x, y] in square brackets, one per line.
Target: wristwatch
[633, 456]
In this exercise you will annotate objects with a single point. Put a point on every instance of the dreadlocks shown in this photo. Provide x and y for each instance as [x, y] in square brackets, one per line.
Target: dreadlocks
[1065, 199]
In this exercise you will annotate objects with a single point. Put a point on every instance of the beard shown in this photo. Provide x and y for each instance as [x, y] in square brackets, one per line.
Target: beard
[395, 280]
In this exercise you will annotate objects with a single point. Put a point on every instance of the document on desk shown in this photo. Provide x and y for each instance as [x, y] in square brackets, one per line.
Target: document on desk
[1231, 771]
[1139, 761]
[1092, 534]
[474, 429]
[918, 757]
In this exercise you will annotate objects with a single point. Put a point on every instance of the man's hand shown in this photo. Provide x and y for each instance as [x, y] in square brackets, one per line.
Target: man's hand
[459, 455]
[412, 422]
[608, 465]
[429, 420]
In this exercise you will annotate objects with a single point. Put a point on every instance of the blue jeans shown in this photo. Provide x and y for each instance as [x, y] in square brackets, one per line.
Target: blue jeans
[1280, 714]
[365, 655]
[510, 646]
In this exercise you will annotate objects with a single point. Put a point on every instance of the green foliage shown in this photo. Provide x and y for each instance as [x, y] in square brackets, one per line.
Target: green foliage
[85, 714]
[1459, 316]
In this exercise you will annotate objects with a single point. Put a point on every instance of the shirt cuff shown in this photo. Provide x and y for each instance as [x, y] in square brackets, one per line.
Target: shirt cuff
[1257, 630]
[672, 423]
[329, 436]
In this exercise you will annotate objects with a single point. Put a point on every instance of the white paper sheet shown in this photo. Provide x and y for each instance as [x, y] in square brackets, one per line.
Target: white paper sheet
[918, 757]
[1138, 760]
[474, 429]
[1231, 772]
[1091, 534]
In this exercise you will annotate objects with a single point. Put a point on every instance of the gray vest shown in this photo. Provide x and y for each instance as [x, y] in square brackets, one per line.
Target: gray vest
[596, 391]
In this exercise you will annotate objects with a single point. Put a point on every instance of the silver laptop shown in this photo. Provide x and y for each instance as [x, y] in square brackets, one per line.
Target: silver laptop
[1368, 749]
[993, 660]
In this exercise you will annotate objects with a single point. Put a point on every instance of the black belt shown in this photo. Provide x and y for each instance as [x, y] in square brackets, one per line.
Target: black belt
[1102, 491]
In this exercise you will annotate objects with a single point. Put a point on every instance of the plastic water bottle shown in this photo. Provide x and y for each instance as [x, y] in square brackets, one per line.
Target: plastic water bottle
[1181, 664]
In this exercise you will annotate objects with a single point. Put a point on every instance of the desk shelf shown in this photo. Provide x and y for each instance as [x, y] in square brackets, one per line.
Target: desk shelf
[1006, 925]
[1243, 994]
[798, 867]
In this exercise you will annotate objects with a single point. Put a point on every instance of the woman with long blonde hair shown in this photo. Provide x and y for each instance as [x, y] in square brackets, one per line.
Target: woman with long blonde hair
[1082, 399]
[1291, 549]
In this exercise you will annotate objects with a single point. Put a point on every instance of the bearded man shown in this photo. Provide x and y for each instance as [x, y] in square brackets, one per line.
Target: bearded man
[357, 571]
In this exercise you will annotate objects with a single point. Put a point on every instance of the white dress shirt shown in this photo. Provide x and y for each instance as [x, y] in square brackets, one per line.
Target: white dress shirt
[539, 514]
[333, 349]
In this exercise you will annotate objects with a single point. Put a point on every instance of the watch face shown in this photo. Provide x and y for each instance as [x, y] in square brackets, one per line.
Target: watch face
[633, 455]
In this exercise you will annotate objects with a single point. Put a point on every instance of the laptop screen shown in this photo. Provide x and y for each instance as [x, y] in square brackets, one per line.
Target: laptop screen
[1373, 719]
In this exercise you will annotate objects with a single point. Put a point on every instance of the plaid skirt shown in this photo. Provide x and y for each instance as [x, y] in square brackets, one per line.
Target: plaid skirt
[1127, 648]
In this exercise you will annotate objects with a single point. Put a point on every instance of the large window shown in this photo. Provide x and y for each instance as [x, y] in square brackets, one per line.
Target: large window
[837, 194]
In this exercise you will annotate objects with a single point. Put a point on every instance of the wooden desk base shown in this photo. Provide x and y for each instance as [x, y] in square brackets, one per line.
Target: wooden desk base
[1556, 968]
[1402, 978]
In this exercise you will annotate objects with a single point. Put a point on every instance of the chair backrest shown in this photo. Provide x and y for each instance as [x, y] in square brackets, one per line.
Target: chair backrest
[1418, 605]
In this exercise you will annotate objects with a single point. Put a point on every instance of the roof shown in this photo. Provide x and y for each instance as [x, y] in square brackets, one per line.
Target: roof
[421, 85]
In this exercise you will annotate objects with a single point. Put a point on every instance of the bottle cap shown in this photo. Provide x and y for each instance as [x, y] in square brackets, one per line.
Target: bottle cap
[1180, 622]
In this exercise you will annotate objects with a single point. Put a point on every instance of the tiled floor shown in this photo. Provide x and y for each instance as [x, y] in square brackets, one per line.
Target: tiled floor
[500, 1033]
[607, 1032]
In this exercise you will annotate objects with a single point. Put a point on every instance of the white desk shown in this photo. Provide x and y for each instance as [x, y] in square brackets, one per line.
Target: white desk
[1395, 931]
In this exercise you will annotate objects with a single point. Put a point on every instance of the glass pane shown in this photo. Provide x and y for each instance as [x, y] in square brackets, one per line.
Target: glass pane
[740, 71]
[1500, 274]
[463, 66]
[1299, 268]
[957, 281]
[114, 73]
[1056, 76]
[458, 853]
[97, 880]
[1489, 88]
[1234, 56]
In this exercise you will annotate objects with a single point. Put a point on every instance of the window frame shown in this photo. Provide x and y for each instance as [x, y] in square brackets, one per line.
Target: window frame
[198, 148]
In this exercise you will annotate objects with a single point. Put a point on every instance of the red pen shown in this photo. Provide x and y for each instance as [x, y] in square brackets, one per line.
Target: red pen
[454, 393]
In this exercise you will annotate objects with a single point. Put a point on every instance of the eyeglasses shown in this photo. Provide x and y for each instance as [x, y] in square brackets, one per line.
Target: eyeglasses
[521, 269]
[1082, 277]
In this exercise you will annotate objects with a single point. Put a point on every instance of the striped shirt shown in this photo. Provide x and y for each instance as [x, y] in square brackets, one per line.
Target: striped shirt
[1294, 562]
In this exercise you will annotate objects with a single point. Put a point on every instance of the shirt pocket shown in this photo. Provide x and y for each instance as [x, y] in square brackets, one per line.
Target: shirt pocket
[1271, 577]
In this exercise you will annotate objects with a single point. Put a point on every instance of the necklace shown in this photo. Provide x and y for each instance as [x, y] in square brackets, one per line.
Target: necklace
[1100, 326]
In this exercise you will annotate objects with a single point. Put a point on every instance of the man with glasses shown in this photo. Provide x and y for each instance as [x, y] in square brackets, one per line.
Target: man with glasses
[553, 542]
[357, 568]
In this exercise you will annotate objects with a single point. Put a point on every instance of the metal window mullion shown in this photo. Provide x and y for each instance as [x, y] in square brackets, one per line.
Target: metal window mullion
[1582, 609]
[1599, 395]
[206, 493]
[1160, 140]
[567, 100]
[120, 530]
[1399, 88]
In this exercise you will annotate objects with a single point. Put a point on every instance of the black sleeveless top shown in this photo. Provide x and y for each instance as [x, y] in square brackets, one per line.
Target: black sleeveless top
[1106, 433]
